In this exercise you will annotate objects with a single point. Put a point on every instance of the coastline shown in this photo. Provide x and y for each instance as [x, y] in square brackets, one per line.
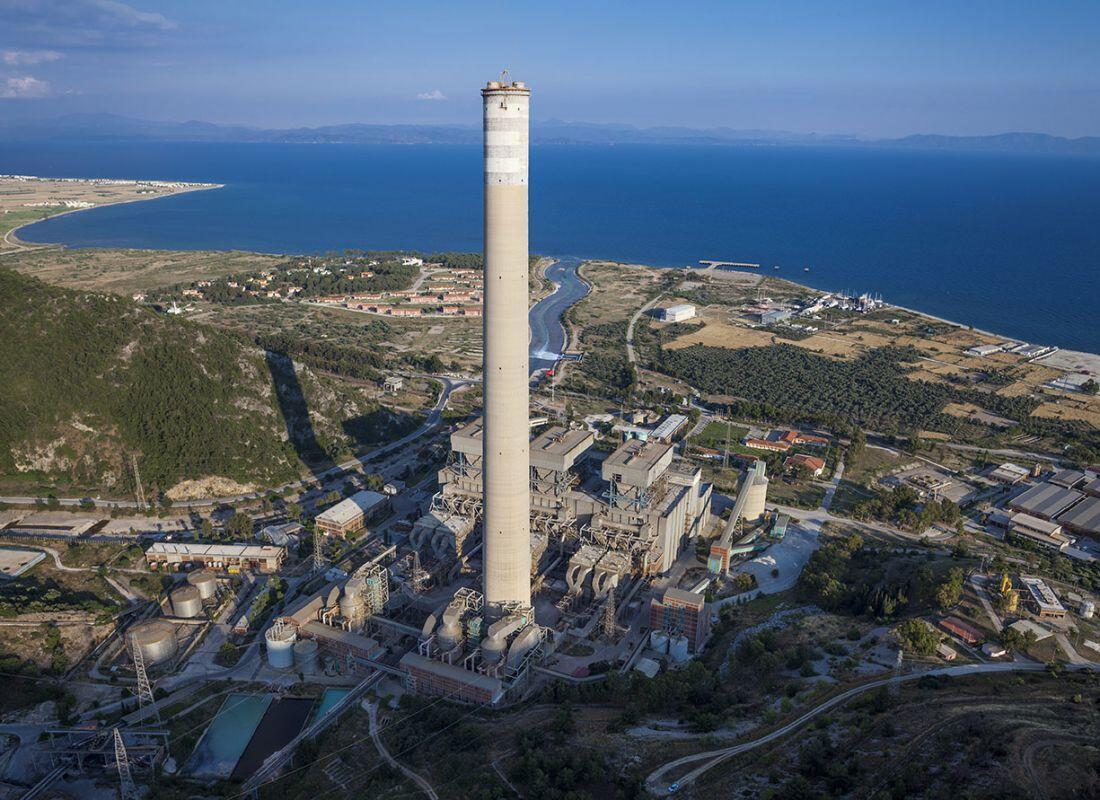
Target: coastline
[16, 244]
[13, 243]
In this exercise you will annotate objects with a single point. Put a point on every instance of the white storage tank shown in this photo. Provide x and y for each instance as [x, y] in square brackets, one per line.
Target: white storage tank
[186, 602]
[1088, 609]
[156, 639]
[306, 656]
[658, 642]
[678, 649]
[206, 582]
[280, 639]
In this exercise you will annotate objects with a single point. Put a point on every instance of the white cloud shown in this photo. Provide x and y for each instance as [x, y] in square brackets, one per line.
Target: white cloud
[434, 94]
[16, 58]
[24, 86]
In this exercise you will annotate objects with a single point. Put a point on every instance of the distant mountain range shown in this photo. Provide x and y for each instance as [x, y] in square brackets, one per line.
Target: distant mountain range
[110, 126]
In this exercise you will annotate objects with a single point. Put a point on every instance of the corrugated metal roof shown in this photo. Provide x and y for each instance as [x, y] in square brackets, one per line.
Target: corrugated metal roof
[1045, 500]
[346, 510]
[1085, 516]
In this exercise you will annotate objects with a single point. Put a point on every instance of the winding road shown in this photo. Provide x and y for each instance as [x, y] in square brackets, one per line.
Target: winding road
[658, 782]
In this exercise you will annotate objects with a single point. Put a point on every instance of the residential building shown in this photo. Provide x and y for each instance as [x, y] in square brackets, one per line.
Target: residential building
[815, 465]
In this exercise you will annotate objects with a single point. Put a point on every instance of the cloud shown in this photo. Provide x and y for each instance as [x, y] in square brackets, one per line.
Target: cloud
[17, 58]
[79, 23]
[434, 94]
[23, 87]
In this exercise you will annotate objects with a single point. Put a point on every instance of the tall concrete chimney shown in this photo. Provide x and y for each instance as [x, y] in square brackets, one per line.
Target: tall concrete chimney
[506, 475]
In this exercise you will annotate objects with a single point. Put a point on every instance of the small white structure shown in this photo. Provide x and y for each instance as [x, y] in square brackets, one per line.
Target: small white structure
[676, 313]
[647, 666]
[994, 650]
[983, 350]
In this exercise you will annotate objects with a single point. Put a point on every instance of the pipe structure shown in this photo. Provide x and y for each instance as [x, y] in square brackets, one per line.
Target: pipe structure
[506, 372]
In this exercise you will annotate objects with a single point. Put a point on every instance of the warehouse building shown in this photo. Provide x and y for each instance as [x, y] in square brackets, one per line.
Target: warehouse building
[353, 514]
[1068, 479]
[1009, 473]
[1042, 599]
[677, 313]
[1041, 531]
[1083, 518]
[232, 558]
[1046, 501]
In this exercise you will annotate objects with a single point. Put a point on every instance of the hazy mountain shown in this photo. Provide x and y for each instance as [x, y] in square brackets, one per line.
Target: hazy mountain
[110, 126]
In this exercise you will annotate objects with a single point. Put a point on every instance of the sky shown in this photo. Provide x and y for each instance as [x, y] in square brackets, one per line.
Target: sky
[875, 68]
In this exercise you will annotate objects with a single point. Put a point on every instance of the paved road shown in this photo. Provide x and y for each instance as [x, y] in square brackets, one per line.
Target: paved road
[419, 780]
[658, 781]
[450, 385]
[630, 327]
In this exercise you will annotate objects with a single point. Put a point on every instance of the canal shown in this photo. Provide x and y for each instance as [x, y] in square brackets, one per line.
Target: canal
[548, 336]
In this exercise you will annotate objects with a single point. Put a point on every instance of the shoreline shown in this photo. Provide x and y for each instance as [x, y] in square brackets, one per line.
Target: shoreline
[18, 245]
[923, 314]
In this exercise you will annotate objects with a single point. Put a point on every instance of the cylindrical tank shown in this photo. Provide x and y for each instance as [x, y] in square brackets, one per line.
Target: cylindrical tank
[757, 497]
[658, 641]
[156, 639]
[1088, 609]
[678, 649]
[306, 656]
[280, 639]
[206, 582]
[186, 602]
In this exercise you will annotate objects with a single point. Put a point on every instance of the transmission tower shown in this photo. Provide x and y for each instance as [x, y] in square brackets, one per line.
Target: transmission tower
[318, 550]
[144, 686]
[607, 624]
[127, 788]
[137, 480]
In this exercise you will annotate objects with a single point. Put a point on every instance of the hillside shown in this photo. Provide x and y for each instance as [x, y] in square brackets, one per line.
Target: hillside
[93, 380]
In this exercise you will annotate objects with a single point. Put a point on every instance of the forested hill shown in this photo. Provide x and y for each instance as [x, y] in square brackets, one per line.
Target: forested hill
[91, 381]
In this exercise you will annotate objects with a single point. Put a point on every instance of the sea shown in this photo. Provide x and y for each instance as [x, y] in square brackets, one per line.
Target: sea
[1004, 242]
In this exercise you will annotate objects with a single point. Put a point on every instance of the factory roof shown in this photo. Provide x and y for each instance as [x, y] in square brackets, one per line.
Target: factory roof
[351, 508]
[693, 599]
[558, 447]
[1069, 478]
[1041, 594]
[1024, 626]
[208, 549]
[1092, 487]
[635, 455]
[1045, 500]
[319, 630]
[668, 427]
[1009, 473]
[417, 661]
[1083, 517]
[1023, 520]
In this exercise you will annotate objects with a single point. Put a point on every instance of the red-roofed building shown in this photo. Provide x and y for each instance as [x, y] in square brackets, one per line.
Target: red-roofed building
[815, 465]
[968, 633]
[765, 444]
[797, 437]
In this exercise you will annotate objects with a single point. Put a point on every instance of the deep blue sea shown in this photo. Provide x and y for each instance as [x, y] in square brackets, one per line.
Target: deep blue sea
[1009, 243]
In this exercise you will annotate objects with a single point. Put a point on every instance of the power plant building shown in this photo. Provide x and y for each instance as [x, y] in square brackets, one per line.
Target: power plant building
[352, 514]
[232, 558]
[681, 613]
